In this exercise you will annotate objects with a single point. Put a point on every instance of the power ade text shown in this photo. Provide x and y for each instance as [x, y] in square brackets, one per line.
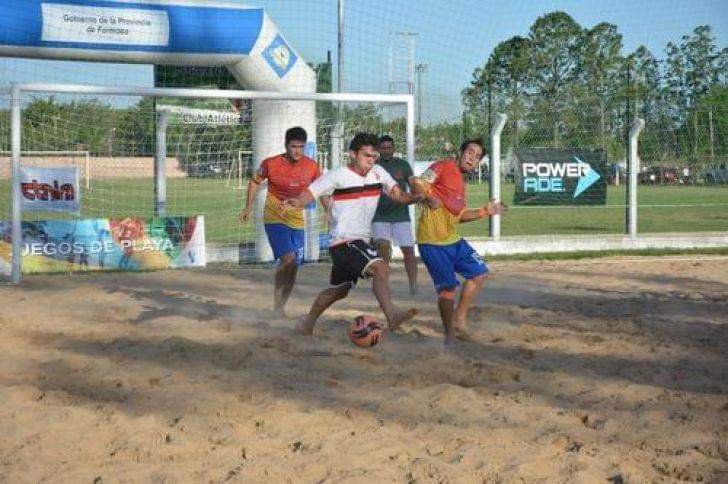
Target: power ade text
[549, 177]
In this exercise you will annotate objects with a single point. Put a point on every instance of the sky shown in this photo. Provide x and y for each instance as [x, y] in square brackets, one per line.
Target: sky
[453, 38]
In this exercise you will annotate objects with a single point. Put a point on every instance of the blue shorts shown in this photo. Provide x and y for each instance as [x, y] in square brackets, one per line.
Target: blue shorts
[443, 261]
[285, 240]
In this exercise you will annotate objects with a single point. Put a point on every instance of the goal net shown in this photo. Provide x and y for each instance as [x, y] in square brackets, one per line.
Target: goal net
[183, 152]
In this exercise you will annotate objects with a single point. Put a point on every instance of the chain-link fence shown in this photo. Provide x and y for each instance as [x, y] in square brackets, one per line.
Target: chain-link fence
[682, 169]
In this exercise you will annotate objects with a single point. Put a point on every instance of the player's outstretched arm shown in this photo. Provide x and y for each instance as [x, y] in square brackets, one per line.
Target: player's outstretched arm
[422, 187]
[400, 196]
[299, 202]
[493, 207]
[419, 185]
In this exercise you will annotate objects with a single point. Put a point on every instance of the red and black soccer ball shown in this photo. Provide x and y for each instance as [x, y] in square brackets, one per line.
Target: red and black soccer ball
[365, 331]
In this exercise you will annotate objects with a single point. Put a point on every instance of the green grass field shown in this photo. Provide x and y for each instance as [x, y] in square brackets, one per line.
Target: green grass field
[662, 209]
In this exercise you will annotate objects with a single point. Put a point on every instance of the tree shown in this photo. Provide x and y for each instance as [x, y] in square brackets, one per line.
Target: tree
[675, 90]
[701, 63]
[555, 40]
[599, 72]
[646, 81]
[510, 69]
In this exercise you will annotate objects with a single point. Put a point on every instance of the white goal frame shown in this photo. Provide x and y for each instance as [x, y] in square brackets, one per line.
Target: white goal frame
[18, 90]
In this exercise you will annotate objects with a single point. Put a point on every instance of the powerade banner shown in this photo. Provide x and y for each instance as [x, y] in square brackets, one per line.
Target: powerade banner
[547, 176]
[108, 244]
[50, 189]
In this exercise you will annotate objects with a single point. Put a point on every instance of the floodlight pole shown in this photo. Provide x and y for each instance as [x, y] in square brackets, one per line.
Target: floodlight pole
[637, 126]
[340, 54]
[495, 163]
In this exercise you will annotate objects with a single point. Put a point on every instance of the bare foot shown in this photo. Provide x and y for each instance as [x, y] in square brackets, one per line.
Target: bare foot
[280, 312]
[305, 327]
[450, 341]
[401, 317]
[463, 334]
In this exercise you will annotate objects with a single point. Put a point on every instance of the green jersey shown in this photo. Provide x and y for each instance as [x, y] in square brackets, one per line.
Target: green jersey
[388, 210]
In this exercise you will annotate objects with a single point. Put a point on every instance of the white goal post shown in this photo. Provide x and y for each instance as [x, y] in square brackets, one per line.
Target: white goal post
[160, 183]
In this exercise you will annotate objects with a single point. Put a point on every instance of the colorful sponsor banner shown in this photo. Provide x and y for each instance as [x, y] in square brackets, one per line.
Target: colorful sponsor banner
[50, 189]
[108, 244]
[547, 176]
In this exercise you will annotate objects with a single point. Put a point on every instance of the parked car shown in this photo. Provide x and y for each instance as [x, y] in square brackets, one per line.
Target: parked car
[659, 175]
[715, 175]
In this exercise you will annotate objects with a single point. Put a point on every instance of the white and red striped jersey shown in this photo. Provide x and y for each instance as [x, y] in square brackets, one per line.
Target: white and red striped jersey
[354, 200]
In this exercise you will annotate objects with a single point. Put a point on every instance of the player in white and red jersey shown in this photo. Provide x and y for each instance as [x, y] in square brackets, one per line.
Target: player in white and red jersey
[354, 191]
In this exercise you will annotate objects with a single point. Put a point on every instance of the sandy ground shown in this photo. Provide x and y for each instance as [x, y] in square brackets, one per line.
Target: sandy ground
[607, 371]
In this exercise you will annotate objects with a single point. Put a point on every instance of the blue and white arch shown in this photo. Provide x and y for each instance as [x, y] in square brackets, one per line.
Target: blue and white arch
[176, 32]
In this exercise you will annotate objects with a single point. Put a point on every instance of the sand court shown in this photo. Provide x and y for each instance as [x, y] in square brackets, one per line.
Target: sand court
[579, 372]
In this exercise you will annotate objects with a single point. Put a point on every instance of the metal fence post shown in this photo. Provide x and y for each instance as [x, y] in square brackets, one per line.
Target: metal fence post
[410, 140]
[160, 166]
[16, 229]
[495, 178]
[637, 126]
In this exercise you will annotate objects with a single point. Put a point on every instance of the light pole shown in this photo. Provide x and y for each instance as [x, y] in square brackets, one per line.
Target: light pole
[340, 53]
[420, 68]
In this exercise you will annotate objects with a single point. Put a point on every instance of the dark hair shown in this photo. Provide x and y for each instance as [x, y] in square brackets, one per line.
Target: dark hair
[296, 134]
[385, 138]
[362, 139]
[473, 141]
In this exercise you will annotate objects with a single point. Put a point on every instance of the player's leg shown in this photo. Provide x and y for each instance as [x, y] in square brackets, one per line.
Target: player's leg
[439, 261]
[363, 260]
[279, 238]
[285, 278]
[404, 238]
[410, 265]
[342, 279]
[472, 267]
[323, 301]
[288, 269]
[446, 306]
[470, 289]
[381, 234]
[384, 249]
[379, 271]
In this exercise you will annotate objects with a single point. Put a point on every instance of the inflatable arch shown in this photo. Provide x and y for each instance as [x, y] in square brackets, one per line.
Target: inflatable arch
[176, 32]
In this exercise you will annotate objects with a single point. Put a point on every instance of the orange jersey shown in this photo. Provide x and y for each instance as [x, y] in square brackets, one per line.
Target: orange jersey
[444, 181]
[285, 180]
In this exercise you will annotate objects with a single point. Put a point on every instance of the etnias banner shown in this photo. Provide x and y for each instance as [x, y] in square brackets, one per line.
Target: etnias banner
[546, 176]
[50, 189]
[108, 244]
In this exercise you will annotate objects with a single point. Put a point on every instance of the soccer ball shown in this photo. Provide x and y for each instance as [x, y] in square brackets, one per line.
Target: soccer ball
[365, 331]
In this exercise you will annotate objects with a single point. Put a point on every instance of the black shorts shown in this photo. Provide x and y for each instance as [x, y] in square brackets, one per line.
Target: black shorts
[351, 260]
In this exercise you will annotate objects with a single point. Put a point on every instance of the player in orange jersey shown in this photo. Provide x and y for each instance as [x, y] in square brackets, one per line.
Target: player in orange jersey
[288, 175]
[443, 251]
